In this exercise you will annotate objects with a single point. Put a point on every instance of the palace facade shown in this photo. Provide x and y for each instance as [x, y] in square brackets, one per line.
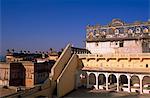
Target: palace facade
[120, 56]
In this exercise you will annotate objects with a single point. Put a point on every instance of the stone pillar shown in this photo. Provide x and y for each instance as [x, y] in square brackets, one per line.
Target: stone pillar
[129, 87]
[106, 81]
[87, 80]
[117, 77]
[96, 75]
[141, 85]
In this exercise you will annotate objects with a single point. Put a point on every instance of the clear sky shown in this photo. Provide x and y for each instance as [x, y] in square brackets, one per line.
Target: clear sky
[42, 24]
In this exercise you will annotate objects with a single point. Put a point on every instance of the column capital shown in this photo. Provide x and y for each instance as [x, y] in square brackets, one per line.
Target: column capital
[96, 74]
[117, 75]
[141, 77]
[128, 76]
[88, 73]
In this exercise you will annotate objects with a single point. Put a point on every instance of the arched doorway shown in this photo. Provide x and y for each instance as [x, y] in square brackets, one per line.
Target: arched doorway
[101, 81]
[146, 84]
[112, 79]
[112, 82]
[82, 82]
[92, 80]
[123, 79]
[135, 84]
[123, 82]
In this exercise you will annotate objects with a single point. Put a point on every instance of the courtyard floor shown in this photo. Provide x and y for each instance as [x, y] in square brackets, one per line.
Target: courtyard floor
[92, 93]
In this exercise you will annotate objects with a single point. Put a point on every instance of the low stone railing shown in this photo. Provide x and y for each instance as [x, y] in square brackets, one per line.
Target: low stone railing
[126, 55]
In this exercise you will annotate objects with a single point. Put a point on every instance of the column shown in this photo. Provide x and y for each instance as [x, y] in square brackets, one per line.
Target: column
[129, 87]
[117, 76]
[96, 75]
[141, 85]
[87, 80]
[106, 81]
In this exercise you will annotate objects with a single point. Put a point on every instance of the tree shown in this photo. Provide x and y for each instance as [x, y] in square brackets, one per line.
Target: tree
[36, 52]
[25, 51]
[51, 49]
[28, 52]
[20, 51]
[62, 49]
[13, 50]
[8, 51]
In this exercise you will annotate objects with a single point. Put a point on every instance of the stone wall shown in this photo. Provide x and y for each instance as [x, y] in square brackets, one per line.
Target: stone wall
[61, 63]
[129, 46]
[67, 80]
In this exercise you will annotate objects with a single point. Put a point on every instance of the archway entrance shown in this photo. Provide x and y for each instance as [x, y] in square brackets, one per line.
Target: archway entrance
[112, 82]
[123, 82]
[101, 81]
[146, 84]
[135, 84]
[92, 80]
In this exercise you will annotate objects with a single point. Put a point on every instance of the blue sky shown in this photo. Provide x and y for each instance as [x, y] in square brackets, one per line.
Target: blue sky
[42, 24]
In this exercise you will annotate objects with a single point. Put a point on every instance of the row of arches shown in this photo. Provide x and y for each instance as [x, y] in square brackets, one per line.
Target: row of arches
[117, 81]
[112, 79]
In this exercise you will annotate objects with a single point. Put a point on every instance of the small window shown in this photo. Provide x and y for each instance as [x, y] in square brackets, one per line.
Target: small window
[121, 44]
[96, 44]
[146, 65]
[116, 43]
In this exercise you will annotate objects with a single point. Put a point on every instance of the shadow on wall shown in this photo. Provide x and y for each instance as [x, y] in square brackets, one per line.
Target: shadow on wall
[17, 74]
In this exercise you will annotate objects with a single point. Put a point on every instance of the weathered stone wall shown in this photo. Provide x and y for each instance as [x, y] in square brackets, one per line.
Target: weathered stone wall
[131, 46]
[4, 73]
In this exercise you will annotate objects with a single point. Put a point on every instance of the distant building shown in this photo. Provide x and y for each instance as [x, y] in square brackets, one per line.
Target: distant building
[14, 57]
[4, 73]
[24, 73]
[53, 55]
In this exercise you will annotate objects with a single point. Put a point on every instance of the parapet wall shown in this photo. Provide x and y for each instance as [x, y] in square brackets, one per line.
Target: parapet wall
[66, 81]
[61, 63]
[140, 62]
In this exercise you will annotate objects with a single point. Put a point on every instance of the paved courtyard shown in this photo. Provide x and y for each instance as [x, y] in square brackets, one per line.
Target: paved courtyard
[89, 93]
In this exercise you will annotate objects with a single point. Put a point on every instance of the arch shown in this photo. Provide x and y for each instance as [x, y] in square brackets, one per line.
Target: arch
[92, 79]
[117, 22]
[145, 30]
[123, 79]
[130, 31]
[117, 31]
[112, 79]
[135, 81]
[101, 79]
[146, 82]
[83, 79]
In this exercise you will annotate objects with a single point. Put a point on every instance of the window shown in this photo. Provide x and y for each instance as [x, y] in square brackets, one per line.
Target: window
[121, 44]
[146, 65]
[116, 43]
[96, 44]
